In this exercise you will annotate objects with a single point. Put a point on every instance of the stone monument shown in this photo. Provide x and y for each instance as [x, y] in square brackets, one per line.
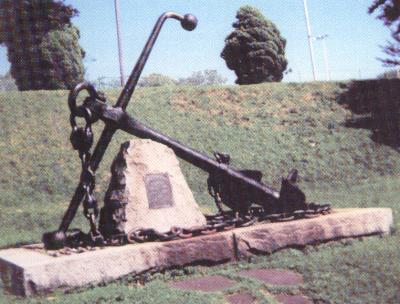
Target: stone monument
[148, 190]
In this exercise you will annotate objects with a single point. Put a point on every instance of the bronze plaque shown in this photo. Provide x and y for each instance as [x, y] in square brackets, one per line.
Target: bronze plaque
[159, 192]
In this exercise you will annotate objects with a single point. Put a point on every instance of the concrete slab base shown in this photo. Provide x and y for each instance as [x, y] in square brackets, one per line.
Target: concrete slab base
[26, 272]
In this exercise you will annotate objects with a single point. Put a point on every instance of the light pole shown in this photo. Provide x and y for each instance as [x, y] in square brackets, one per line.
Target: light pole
[309, 39]
[322, 38]
[120, 55]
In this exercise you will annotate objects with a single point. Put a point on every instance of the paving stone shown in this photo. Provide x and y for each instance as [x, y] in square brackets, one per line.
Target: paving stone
[240, 298]
[274, 276]
[208, 283]
[292, 299]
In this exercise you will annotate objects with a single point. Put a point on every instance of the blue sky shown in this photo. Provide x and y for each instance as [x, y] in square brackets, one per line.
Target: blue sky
[353, 42]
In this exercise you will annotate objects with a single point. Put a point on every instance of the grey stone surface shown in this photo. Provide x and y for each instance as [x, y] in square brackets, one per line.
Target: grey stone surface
[240, 298]
[292, 299]
[147, 177]
[339, 224]
[28, 272]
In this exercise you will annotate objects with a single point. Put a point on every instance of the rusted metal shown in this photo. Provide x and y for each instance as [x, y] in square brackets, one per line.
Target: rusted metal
[238, 189]
[57, 238]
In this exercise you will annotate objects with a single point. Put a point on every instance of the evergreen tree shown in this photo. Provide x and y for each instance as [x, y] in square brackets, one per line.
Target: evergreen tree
[389, 12]
[255, 50]
[42, 44]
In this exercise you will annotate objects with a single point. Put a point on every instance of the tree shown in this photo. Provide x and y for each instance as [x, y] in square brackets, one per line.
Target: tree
[392, 74]
[211, 77]
[255, 50]
[42, 44]
[197, 78]
[156, 80]
[7, 83]
[206, 77]
[107, 83]
[389, 13]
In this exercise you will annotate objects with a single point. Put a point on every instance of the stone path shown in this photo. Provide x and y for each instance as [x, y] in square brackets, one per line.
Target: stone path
[219, 283]
[208, 283]
[292, 299]
[241, 298]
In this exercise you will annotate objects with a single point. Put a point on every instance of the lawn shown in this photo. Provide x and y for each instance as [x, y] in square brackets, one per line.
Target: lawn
[273, 127]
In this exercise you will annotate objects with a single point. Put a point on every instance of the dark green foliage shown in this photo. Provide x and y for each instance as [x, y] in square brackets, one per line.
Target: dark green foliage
[378, 103]
[389, 13]
[255, 50]
[42, 44]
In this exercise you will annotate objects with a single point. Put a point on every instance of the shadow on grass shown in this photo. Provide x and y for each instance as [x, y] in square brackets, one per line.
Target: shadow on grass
[375, 105]
[381, 133]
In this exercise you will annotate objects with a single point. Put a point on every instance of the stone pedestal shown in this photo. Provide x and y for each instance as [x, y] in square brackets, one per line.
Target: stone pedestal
[26, 271]
[147, 180]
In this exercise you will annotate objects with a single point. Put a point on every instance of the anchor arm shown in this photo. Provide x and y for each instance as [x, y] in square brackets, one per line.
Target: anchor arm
[240, 187]
[259, 192]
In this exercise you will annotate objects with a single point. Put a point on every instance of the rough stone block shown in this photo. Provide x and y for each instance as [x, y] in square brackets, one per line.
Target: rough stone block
[146, 177]
[27, 272]
[341, 223]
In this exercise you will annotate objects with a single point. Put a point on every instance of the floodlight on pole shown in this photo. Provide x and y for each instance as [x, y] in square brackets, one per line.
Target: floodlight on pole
[120, 55]
[322, 38]
[309, 39]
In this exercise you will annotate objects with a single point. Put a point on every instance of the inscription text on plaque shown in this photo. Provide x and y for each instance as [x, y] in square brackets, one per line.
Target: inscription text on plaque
[159, 192]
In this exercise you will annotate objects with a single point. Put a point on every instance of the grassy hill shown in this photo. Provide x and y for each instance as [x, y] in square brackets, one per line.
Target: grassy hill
[272, 127]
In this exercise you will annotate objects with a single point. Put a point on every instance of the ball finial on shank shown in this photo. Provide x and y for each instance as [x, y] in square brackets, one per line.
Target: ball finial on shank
[189, 22]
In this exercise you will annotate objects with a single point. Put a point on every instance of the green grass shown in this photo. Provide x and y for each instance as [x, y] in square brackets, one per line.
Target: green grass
[274, 127]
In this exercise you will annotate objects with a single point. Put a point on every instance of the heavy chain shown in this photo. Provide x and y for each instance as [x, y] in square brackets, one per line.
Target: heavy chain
[223, 222]
[82, 140]
[78, 241]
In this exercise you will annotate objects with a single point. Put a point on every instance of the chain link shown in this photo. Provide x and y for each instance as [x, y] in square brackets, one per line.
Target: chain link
[78, 241]
[82, 140]
[224, 222]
